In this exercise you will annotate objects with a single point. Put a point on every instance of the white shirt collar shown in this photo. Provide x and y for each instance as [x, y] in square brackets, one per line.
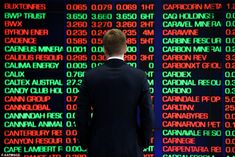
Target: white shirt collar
[116, 57]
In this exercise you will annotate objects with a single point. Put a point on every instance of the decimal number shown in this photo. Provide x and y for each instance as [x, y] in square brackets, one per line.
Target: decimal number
[98, 32]
[76, 24]
[76, 74]
[101, 7]
[99, 24]
[230, 108]
[229, 125]
[101, 16]
[131, 57]
[229, 32]
[73, 82]
[229, 90]
[125, 7]
[230, 48]
[76, 16]
[230, 99]
[76, 57]
[131, 41]
[126, 16]
[76, 49]
[79, 7]
[71, 98]
[231, 6]
[229, 82]
[130, 32]
[76, 41]
[230, 15]
[95, 41]
[230, 150]
[230, 57]
[126, 24]
[76, 32]
[97, 57]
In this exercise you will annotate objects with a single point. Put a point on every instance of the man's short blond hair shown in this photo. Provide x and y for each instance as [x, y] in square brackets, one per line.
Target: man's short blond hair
[114, 42]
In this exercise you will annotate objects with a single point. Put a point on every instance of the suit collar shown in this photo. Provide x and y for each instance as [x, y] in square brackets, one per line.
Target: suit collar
[116, 57]
[114, 63]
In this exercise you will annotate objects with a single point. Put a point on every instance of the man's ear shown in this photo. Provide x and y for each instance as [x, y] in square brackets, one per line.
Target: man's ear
[125, 49]
[106, 52]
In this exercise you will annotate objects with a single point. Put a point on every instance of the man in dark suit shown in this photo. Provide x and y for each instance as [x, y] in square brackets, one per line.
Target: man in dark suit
[114, 91]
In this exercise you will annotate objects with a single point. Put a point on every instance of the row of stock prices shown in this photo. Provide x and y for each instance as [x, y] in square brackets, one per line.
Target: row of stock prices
[186, 48]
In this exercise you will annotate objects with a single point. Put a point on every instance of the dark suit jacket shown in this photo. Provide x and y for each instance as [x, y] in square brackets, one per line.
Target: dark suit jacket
[114, 91]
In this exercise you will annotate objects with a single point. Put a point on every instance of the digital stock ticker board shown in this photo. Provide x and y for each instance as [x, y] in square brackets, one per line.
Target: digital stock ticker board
[185, 47]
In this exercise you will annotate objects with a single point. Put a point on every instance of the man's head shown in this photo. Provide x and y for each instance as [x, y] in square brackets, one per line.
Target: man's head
[114, 42]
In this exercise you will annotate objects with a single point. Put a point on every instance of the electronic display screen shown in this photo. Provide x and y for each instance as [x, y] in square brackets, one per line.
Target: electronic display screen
[186, 48]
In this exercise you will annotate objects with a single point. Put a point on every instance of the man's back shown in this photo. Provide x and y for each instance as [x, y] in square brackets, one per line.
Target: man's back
[115, 90]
